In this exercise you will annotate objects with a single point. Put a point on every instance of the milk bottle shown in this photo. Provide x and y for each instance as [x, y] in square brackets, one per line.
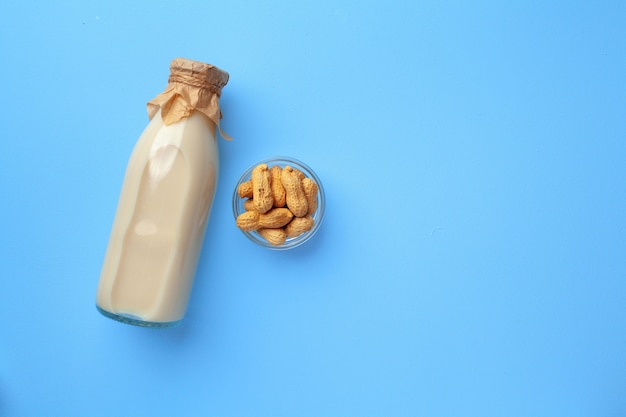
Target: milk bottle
[165, 202]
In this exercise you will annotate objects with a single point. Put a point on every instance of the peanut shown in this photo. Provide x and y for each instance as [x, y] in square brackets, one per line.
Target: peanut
[299, 174]
[253, 220]
[245, 189]
[310, 192]
[276, 217]
[248, 221]
[295, 198]
[261, 190]
[299, 225]
[248, 205]
[278, 191]
[275, 237]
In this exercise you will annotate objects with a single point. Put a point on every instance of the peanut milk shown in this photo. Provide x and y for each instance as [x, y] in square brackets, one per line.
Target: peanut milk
[160, 222]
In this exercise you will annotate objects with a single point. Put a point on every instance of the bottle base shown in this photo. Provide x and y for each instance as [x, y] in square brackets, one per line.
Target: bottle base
[136, 321]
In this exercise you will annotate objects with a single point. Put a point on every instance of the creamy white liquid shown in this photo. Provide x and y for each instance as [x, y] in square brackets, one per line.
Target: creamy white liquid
[160, 221]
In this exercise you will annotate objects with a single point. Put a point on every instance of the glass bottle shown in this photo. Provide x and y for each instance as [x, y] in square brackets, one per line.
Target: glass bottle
[165, 202]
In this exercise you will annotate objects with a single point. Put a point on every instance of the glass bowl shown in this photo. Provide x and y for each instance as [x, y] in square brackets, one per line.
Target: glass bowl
[318, 216]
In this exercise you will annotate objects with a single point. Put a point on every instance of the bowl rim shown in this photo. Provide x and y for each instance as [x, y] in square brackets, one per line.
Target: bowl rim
[318, 216]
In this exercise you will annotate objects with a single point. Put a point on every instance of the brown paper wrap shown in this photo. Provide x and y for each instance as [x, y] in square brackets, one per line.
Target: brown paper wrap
[192, 86]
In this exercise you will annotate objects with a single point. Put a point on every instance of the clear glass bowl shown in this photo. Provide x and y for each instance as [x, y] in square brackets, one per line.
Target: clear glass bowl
[318, 216]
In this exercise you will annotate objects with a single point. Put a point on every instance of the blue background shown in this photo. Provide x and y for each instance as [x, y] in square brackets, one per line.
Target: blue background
[472, 261]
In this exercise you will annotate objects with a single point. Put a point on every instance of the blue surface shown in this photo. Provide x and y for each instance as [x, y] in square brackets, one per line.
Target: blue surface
[472, 260]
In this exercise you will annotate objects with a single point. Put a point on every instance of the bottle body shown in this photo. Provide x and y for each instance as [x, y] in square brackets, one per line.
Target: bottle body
[160, 222]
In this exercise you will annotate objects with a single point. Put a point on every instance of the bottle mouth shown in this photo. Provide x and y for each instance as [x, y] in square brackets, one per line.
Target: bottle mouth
[193, 86]
[198, 74]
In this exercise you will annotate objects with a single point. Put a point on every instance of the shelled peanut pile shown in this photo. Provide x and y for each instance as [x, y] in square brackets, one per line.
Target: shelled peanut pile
[280, 203]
